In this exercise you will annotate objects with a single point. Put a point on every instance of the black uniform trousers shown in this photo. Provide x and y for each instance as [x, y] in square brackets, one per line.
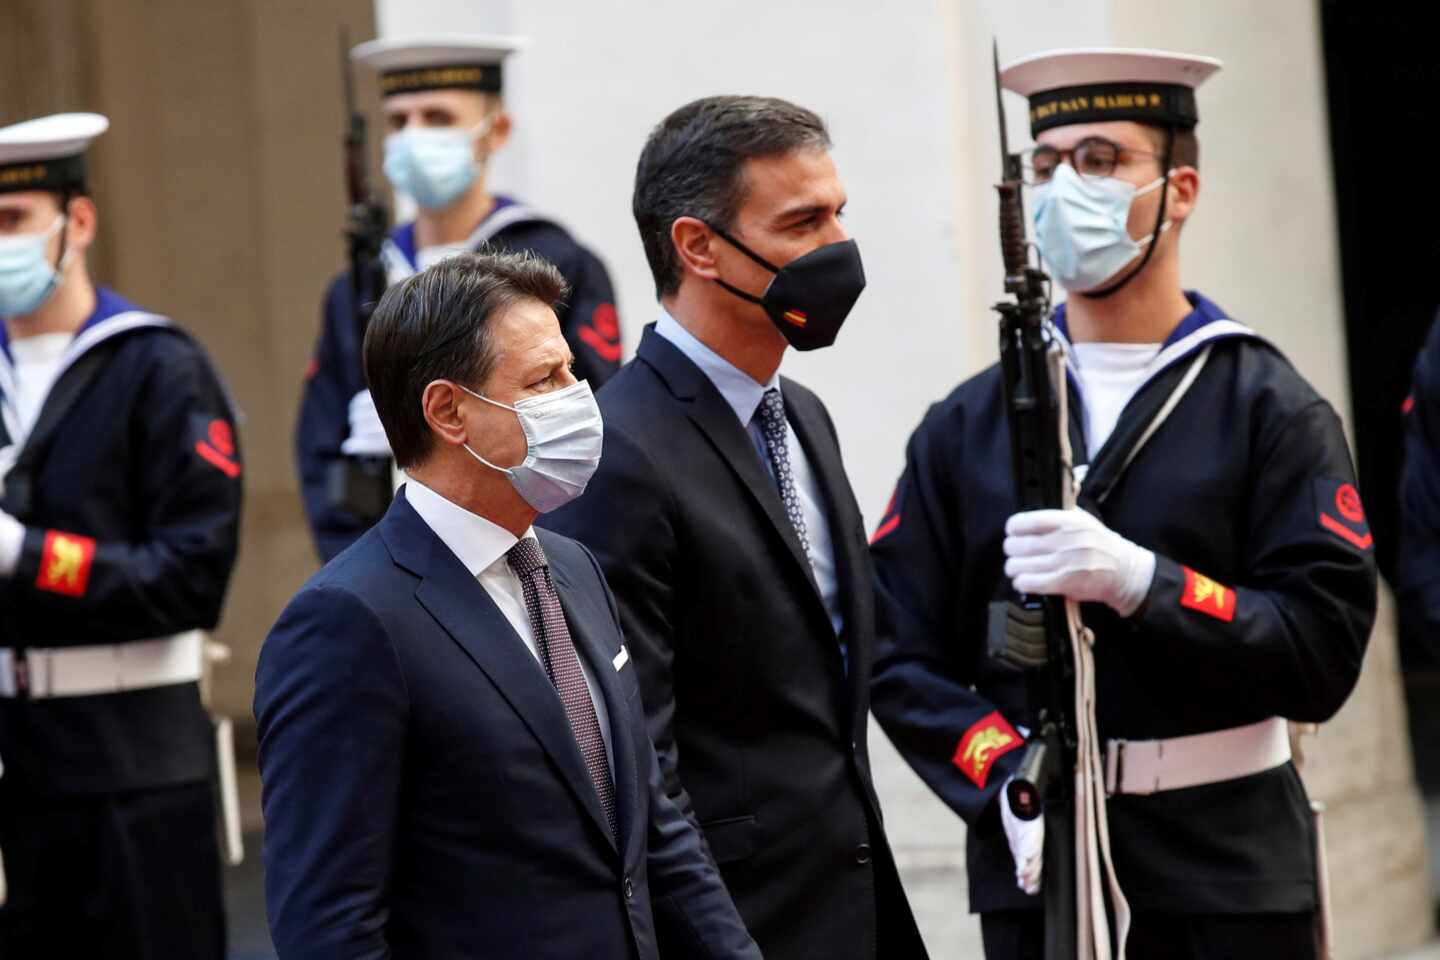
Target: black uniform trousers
[111, 876]
[1020, 935]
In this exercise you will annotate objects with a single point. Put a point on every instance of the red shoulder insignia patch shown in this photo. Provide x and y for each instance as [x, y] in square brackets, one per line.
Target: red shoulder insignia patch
[216, 444]
[1342, 513]
[1204, 595]
[988, 739]
[891, 520]
[603, 333]
[65, 563]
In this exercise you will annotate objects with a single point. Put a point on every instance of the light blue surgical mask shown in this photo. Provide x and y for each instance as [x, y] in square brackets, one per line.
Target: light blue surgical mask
[1080, 227]
[434, 165]
[27, 277]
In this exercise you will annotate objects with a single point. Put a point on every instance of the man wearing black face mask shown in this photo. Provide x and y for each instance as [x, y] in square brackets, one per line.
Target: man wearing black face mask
[726, 526]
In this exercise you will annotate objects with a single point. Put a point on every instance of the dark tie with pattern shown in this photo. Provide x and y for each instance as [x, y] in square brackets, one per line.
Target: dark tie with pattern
[774, 429]
[562, 663]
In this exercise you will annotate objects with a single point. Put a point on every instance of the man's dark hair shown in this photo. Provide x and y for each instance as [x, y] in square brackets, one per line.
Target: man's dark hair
[436, 326]
[692, 163]
[1184, 152]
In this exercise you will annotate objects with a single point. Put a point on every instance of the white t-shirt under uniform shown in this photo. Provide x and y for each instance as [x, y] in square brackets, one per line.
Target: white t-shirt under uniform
[1110, 374]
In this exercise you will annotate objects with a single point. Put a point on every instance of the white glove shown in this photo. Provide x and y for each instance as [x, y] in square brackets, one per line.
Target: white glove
[367, 436]
[8, 456]
[1070, 553]
[12, 539]
[1027, 844]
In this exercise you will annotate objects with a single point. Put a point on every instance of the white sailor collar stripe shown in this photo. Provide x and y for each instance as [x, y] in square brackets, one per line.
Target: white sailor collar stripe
[399, 267]
[88, 339]
[1223, 329]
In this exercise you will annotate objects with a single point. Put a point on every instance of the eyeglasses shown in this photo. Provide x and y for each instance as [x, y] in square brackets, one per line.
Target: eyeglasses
[1093, 157]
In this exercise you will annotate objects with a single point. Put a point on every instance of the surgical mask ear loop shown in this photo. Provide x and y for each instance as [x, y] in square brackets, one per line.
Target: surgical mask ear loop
[1154, 231]
[57, 274]
[508, 471]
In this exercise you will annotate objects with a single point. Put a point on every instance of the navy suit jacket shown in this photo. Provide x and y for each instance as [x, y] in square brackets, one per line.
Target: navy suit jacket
[424, 794]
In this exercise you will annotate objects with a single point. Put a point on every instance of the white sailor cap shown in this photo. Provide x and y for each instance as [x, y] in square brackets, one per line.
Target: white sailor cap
[1098, 84]
[48, 153]
[413, 64]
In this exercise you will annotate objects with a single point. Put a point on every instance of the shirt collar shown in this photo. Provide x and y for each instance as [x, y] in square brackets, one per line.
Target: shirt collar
[476, 542]
[741, 392]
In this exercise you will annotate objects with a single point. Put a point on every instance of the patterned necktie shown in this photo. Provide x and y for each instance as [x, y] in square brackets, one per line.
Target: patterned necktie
[774, 428]
[557, 650]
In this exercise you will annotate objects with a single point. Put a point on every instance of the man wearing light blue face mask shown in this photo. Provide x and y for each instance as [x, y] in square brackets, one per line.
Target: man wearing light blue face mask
[444, 120]
[1219, 554]
[119, 517]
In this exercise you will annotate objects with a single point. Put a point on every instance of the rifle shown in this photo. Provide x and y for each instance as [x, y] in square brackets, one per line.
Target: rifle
[1033, 633]
[361, 485]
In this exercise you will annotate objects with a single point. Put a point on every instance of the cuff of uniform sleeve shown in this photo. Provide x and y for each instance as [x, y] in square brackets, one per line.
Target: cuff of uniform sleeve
[32, 552]
[1168, 581]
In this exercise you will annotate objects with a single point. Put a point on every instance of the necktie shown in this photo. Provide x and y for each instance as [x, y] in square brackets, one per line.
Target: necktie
[774, 429]
[557, 650]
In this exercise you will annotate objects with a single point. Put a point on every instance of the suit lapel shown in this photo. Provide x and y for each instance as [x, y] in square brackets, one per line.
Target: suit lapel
[585, 616]
[847, 529]
[463, 608]
[716, 420]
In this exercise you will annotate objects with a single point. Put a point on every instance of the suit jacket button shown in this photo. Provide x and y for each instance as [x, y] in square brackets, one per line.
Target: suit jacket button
[862, 854]
[629, 889]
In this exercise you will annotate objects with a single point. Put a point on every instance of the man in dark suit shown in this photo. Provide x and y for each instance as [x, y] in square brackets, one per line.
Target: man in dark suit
[723, 518]
[454, 755]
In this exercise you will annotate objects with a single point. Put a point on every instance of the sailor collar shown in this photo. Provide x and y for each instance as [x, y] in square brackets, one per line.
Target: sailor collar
[399, 253]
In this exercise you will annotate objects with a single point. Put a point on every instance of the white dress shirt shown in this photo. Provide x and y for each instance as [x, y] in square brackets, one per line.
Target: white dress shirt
[743, 396]
[482, 547]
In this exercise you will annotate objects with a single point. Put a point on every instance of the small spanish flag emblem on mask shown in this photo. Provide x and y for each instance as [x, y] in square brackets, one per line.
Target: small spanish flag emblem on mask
[796, 317]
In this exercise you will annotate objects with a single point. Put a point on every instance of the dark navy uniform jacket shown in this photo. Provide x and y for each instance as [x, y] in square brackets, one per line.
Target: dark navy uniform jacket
[589, 321]
[129, 488]
[1261, 606]
[1417, 586]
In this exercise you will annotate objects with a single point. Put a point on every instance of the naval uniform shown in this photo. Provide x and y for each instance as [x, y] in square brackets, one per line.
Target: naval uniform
[1261, 605]
[1417, 594]
[128, 484]
[336, 373]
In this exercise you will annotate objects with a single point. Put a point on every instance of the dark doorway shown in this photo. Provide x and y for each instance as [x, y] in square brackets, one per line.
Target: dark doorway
[1381, 72]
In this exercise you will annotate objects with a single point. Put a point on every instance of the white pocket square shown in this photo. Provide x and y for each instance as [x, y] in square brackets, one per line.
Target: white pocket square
[621, 658]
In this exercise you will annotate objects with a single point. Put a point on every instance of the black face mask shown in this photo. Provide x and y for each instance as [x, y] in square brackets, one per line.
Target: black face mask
[811, 295]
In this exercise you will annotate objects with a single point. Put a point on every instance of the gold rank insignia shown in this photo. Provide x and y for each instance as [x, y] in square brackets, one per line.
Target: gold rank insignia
[988, 739]
[65, 563]
[1204, 595]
